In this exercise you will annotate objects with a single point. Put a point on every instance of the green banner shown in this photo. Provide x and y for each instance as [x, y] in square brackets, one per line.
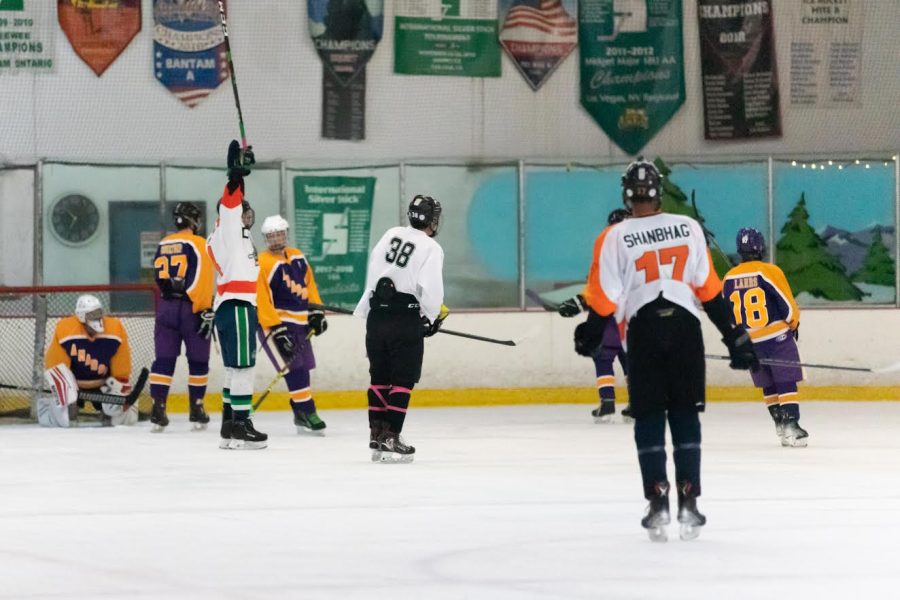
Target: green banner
[332, 219]
[449, 37]
[27, 33]
[632, 67]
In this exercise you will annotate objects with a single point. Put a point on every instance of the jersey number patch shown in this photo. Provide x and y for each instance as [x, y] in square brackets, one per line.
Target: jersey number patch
[750, 308]
[650, 261]
[164, 264]
[400, 252]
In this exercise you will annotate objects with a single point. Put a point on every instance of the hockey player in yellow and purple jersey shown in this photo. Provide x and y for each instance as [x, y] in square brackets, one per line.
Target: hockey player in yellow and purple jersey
[762, 302]
[184, 276]
[286, 288]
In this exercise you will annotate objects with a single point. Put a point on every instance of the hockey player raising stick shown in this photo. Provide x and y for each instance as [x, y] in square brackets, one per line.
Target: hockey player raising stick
[762, 302]
[611, 347]
[235, 259]
[184, 275]
[286, 287]
[402, 305]
[654, 273]
[88, 352]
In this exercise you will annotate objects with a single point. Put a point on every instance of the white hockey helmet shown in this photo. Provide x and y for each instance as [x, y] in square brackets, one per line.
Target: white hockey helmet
[274, 230]
[89, 311]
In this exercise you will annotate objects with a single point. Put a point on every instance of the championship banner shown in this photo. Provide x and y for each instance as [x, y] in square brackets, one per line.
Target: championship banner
[345, 34]
[189, 48]
[740, 78]
[538, 35]
[446, 37]
[332, 220]
[826, 53]
[27, 36]
[99, 30]
[632, 66]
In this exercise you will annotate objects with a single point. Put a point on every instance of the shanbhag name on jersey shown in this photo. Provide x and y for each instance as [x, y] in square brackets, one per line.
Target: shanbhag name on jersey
[659, 234]
[745, 283]
[167, 249]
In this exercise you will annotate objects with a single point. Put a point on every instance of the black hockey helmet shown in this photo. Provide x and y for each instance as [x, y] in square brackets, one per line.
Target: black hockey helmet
[641, 182]
[617, 216]
[187, 214]
[424, 212]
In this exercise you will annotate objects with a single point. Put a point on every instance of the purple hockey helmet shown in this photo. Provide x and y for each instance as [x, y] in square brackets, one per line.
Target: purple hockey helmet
[751, 244]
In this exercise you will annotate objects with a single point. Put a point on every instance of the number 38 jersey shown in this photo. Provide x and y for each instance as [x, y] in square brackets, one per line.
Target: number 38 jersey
[414, 262]
[642, 257]
[761, 300]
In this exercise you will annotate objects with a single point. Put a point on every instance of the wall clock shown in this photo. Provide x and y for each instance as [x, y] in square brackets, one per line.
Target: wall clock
[74, 219]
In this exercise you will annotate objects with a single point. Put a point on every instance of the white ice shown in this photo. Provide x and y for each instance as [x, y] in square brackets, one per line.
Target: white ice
[501, 503]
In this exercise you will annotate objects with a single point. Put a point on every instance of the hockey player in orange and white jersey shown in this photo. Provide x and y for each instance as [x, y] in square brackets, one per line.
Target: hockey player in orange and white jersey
[286, 288]
[89, 351]
[234, 256]
[654, 273]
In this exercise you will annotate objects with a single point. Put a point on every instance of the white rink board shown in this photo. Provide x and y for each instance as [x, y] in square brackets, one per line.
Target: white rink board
[527, 502]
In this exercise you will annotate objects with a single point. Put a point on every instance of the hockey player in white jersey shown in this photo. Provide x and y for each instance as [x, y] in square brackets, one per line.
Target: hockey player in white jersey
[403, 303]
[237, 267]
[655, 273]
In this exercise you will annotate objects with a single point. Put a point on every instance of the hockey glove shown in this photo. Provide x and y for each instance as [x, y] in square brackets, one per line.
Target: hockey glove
[239, 163]
[114, 387]
[207, 323]
[589, 335]
[430, 328]
[284, 343]
[740, 349]
[571, 307]
[317, 322]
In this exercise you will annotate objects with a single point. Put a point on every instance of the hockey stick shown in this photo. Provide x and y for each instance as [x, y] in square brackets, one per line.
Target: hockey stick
[470, 336]
[284, 370]
[774, 362]
[90, 396]
[234, 88]
[536, 298]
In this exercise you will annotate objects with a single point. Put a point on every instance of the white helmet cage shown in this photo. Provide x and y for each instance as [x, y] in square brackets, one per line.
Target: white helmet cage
[275, 231]
[89, 311]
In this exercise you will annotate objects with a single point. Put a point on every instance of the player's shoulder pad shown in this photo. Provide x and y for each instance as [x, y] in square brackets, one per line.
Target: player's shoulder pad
[294, 253]
[68, 327]
[268, 259]
[112, 326]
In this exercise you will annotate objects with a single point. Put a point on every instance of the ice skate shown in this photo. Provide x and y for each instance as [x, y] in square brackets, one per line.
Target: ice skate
[778, 418]
[605, 412]
[689, 517]
[375, 433]
[309, 423]
[394, 450]
[225, 434]
[245, 437]
[656, 516]
[627, 417]
[159, 420]
[198, 417]
[794, 435]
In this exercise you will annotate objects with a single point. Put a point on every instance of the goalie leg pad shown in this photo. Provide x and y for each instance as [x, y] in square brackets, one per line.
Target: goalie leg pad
[51, 414]
[63, 385]
[119, 416]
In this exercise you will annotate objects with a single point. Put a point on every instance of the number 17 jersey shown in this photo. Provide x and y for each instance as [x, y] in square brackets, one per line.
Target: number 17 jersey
[642, 257]
[414, 262]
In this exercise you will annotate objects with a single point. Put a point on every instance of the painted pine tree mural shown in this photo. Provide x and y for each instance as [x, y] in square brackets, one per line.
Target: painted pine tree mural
[675, 201]
[806, 263]
[878, 266]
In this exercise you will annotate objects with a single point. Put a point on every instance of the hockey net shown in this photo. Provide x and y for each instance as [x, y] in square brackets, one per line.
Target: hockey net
[28, 318]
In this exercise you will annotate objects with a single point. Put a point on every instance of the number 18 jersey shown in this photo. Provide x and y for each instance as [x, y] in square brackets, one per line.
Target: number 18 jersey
[414, 262]
[761, 300]
[642, 257]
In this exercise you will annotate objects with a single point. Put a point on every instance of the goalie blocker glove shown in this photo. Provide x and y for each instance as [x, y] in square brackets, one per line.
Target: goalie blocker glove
[284, 342]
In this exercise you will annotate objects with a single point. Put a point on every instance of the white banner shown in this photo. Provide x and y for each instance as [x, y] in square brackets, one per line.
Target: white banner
[826, 53]
[27, 36]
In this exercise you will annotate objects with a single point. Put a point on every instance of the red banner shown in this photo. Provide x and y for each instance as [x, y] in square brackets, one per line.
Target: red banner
[99, 30]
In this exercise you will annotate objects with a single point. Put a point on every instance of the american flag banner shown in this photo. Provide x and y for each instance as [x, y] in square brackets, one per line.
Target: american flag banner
[538, 35]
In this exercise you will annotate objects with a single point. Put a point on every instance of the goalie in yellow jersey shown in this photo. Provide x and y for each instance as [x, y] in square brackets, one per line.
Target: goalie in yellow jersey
[89, 351]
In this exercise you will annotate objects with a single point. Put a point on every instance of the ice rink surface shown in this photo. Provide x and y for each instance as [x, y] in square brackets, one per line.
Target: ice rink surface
[525, 502]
